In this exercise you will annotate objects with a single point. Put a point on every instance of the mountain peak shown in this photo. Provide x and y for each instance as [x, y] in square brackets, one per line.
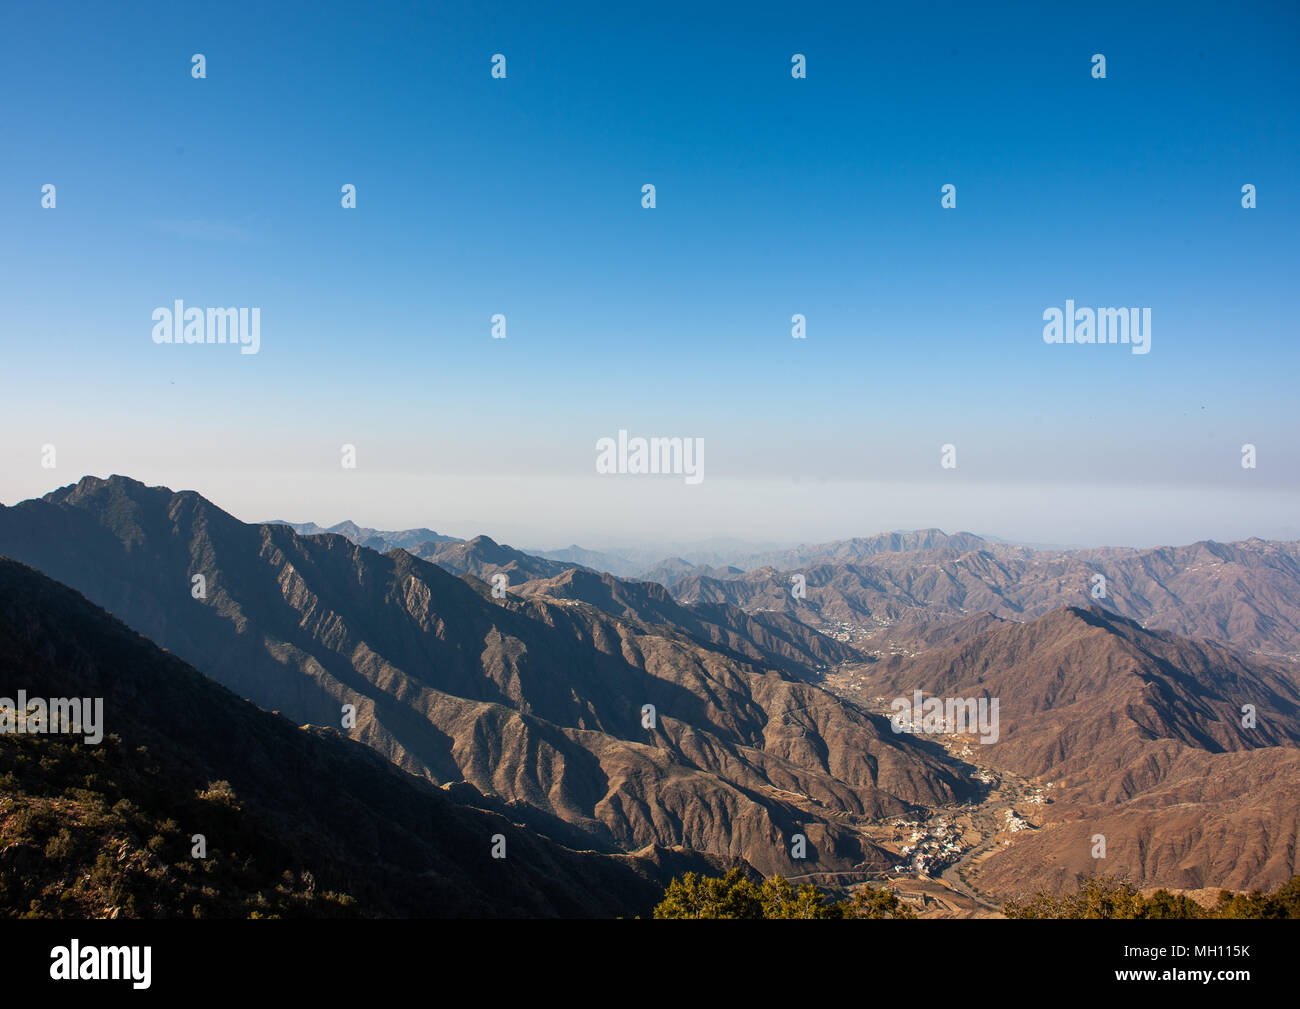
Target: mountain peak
[89, 484]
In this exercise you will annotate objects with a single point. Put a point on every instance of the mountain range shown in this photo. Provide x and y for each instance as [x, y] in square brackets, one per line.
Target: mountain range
[1244, 594]
[709, 715]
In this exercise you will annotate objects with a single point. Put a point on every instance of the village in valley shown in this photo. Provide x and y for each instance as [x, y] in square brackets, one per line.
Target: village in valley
[940, 853]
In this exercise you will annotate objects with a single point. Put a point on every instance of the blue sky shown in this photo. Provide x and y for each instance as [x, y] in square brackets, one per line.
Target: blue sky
[775, 196]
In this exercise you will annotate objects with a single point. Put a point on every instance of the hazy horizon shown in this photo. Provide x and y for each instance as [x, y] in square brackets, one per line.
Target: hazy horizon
[510, 529]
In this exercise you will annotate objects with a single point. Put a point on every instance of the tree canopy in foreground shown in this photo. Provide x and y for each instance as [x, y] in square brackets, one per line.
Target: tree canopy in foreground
[1108, 897]
[736, 896]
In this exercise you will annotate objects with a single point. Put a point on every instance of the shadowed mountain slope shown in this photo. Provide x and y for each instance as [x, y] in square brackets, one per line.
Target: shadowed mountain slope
[297, 820]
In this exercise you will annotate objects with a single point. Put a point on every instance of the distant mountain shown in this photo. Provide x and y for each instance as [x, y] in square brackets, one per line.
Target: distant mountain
[722, 557]
[1246, 594]
[596, 560]
[536, 701]
[296, 821]
[483, 557]
[375, 539]
[675, 569]
[1141, 735]
[727, 558]
[844, 551]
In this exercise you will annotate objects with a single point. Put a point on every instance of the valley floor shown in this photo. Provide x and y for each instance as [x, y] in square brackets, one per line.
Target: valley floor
[945, 849]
